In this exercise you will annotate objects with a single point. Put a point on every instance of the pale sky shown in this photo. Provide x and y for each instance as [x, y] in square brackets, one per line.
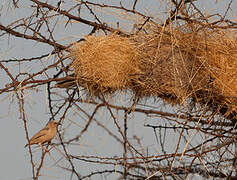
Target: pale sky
[15, 159]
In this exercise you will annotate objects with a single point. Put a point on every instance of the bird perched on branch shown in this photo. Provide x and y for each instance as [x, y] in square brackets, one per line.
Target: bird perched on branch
[67, 82]
[45, 135]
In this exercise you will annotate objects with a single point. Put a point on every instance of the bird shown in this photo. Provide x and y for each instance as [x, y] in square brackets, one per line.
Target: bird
[44, 135]
[67, 82]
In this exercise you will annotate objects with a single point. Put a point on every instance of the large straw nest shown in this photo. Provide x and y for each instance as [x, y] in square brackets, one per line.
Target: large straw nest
[105, 62]
[175, 64]
[170, 67]
[221, 58]
[222, 63]
[180, 64]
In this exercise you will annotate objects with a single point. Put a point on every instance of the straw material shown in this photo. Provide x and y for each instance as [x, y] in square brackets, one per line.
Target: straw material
[178, 65]
[171, 69]
[173, 64]
[105, 62]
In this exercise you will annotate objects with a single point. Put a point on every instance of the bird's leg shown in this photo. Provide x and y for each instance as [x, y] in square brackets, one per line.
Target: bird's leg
[44, 149]
[47, 146]
[41, 147]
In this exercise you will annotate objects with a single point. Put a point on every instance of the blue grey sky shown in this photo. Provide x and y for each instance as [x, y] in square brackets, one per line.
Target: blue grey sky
[15, 159]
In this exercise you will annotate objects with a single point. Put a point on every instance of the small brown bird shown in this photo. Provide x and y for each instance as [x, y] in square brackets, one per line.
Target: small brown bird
[45, 135]
[67, 82]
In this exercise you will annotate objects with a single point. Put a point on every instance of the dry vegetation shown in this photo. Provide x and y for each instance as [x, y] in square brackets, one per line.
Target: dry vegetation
[107, 62]
[175, 64]
[188, 61]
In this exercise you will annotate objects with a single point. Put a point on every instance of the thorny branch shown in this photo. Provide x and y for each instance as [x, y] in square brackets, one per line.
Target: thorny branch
[187, 142]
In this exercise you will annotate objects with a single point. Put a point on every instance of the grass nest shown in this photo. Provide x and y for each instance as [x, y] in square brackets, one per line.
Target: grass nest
[175, 64]
[183, 64]
[106, 63]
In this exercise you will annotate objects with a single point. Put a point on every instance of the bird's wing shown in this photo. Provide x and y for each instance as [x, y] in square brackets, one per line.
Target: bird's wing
[39, 134]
